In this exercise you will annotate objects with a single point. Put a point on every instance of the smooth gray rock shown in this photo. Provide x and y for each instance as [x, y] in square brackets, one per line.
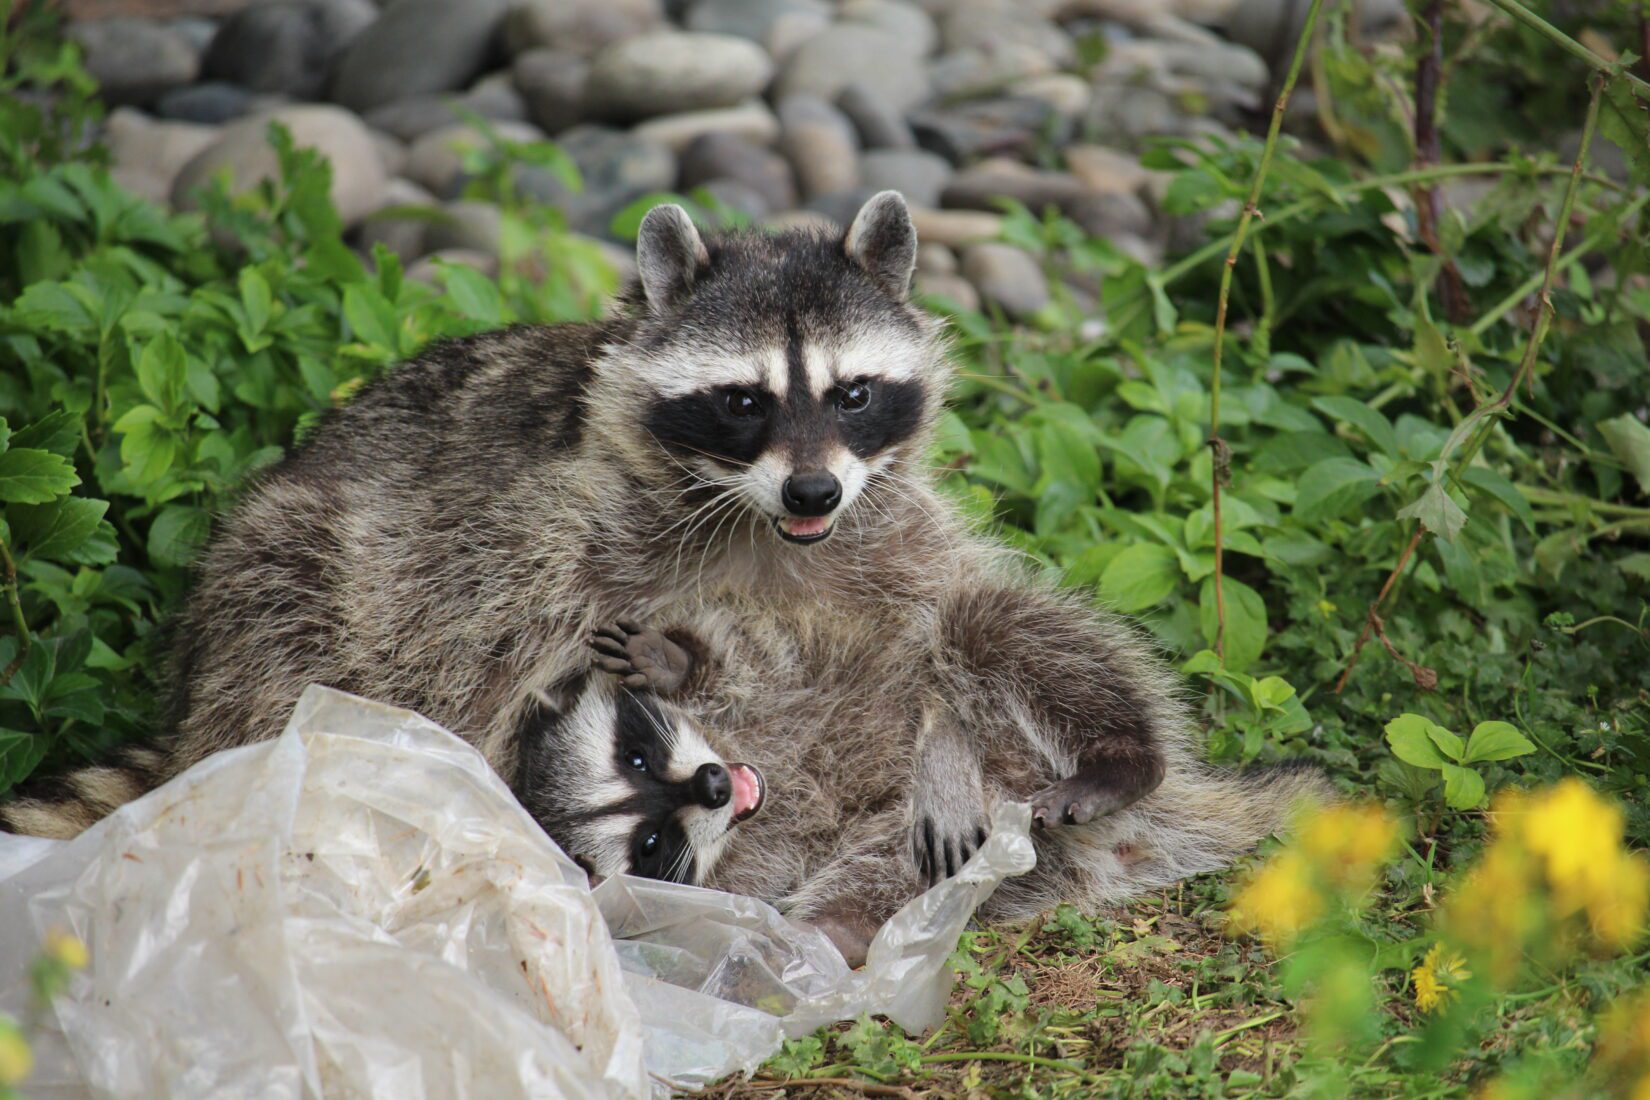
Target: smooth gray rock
[392, 153]
[617, 168]
[1011, 126]
[411, 118]
[880, 126]
[752, 19]
[904, 21]
[738, 196]
[821, 145]
[751, 120]
[915, 173]
[146, 154]
[436, 160]
[935, 259]
[1100, 214]
[1006, 277]
[212, 103]
[285, 46]
[466, 224]
[552, 84]
[664, 72]
[852, 53]
[725, 156]
[243, 150]
[949, 288]
[135, 61]
[417, 47]
[428, 269]
[1266, 26]
[397, 225]
[1126, 114]
[197, 31]
[987, 24]
[979, 71]
[578, 26]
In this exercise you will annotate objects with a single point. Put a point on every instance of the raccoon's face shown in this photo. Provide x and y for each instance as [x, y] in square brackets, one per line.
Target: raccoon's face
[786, 374]
[626, 785]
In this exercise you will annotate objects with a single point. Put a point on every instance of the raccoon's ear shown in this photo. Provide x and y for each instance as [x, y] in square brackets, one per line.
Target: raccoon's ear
[669, 256]
[883, 241]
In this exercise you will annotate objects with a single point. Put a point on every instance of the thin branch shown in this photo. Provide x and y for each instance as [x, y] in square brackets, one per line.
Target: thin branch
[1251, 209]
[23, 636]
[1428, 149]
[1372, 617]
[867, 1088]
[1569, 45]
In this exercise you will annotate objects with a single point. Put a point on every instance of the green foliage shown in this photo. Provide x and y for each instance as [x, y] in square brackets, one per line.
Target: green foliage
[1425, 744]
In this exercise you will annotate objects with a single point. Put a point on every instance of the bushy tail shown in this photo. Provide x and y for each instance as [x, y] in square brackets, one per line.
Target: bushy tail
[1200, 819]
[63, 806]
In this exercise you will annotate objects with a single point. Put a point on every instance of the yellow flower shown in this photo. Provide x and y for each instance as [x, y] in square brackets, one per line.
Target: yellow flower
[1349, 843]
[1616, 910]
[1578, 835]
[16, 1059]
[1624, 1046]
[1278, 900]
[67, 949]
[1438, 977]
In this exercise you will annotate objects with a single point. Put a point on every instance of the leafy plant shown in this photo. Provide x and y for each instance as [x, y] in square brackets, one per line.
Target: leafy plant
[1425, 744]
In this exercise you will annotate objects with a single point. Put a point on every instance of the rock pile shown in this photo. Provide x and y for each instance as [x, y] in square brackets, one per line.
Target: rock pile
[790, 111]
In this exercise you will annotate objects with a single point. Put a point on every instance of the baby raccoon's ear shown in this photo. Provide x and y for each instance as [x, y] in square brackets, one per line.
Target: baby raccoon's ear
[883, 241]
[669, 256]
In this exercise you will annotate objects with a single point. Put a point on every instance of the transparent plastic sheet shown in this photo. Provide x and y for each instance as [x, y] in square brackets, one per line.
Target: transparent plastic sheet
[360, 908]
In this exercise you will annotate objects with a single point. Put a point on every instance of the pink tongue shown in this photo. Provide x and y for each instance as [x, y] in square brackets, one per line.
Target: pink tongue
[747, 790]
[812, 525]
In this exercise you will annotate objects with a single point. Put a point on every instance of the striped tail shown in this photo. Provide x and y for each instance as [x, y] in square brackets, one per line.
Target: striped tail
[61, 807]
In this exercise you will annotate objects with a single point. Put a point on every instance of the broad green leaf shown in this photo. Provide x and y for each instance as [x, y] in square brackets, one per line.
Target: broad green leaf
[20, 754]
[163, 371]
[58, 432]
[1630, 440]
[1463, 787]
[1245, 621]
[1408, 736]
[1437, 511]
[53, 531]
[475, 295]
[1448, 743]
[371, 317]
[1370, 422]
[1496, 741]
[1482, 477]
[28, 476]
[1141, 576]
[255, 300]
[1622, 120]
[177, 534]
[1272, 692]
[1333, 487]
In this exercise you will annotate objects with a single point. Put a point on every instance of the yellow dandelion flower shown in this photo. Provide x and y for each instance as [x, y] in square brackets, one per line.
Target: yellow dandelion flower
[1278, 901]
[16, 1059]
[1577, 834]
[67, 949]
[1438, 978]
[1349, 843]
[1616, 911]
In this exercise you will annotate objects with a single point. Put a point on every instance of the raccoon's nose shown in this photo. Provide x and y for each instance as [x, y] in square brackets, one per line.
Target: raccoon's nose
[813, 493]
[711, 786]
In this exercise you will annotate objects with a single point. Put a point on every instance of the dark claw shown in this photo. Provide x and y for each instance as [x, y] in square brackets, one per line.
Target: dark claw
[629, 626]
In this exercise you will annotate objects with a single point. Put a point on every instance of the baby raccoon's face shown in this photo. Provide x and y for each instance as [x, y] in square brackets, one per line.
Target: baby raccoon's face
[626, 785]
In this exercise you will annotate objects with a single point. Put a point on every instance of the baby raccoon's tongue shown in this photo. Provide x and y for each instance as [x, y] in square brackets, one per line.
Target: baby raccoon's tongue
[804, 526]
[747, 791]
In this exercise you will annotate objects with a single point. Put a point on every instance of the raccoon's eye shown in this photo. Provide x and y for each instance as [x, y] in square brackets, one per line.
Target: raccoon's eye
[743, 403]
[650, 845]
[853, 396]
[637, 760]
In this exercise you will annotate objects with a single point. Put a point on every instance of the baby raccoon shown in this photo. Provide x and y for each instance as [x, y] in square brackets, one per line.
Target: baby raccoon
[627, 785]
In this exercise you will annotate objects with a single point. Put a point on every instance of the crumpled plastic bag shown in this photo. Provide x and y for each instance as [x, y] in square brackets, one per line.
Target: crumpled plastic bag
[360, 908]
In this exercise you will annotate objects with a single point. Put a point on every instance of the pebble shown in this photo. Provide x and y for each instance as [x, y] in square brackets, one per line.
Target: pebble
[417, 47]
[211, 103]
[719, 156]
[850, 53]
[752, 19]
[821, 145]
[1006, 277]
[392, 152]
[955, 228]
[428, 269]
[146, 154]
[915, 173]
[243, 150]
[936, 259]
[411, 118]
[1107, 171]
[905, 22]
[135, 61]
[1066, 94]
[753, 121]
[436, 160]
[617, 168]
[880, 126]
[578, 26]
[980, 71]
[285, 46]
[664, 72]
[467, 225]
[986, 24]
[551, 83]
[995, 126]
[400, 233]
[736, 195]
[954, 289]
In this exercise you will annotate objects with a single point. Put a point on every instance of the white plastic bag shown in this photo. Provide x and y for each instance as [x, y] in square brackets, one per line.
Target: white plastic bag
[359, 908]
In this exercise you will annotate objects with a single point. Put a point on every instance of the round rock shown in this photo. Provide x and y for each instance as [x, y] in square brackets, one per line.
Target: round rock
[953, 289]
[393, 225]
[1007, 278]
[821, 145]
[436, 160]
[135, 61]
[906, 22]
[578, 26]
[147, 154]
[661, 73]
[915, 173]
[285, 46]
[469, 225]
[212, 103]
[417, 47]
[726, 156]
[880, 126]
[243, 150]
[851, 53]
[752, 19]
[752, 121]
[552, 84]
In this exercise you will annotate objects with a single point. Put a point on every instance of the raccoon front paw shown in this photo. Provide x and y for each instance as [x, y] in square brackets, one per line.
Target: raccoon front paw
[942, 843]
[1075, 801]
[641, 659]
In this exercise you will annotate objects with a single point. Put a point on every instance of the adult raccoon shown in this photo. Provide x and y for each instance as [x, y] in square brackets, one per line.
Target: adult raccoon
[746, 437]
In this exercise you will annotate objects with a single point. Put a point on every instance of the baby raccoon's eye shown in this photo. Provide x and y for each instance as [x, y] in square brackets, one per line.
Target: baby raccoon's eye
[853, 396]
[637, 760]
[650, 845]
[743, 403]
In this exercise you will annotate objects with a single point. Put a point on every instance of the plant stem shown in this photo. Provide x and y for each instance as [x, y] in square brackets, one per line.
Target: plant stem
[866, 1088]
[1004, 1056]
[1372, 617]
[1251, 208]
[23, 636]
[1428, 206]
[1569, 45]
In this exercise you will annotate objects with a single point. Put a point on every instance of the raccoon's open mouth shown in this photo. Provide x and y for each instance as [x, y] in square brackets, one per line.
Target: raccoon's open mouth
[748, 792]
[803, 529]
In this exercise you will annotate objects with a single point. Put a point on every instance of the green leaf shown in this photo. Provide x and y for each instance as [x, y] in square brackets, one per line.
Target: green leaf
[58, 432]
[28, 476]
[1630, 440]
[162, 371]
[55, 530]
[1622, 120]
[371, 317]
[1482, 477]
[1245, 621]
[255, 300]
[1448, 743]
[1374, 426]
[20, 754]
[1496, 741]
[1142, 576]
[177, 534]
[1333, 487]
[1463, 787]
[1408, 736]
[474, 295]
[1437, 510]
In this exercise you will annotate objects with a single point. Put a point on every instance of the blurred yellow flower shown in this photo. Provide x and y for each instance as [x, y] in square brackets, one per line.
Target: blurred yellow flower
[1278, 900]
[1438, 978]
[16, 1059]
[1349, 843]
[67, 949]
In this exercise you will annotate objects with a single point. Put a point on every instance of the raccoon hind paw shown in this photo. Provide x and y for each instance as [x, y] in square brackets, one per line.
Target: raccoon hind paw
[643, 659]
